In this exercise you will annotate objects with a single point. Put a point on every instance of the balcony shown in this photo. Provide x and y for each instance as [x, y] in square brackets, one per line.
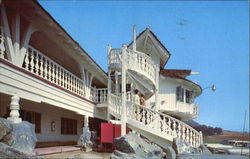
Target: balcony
[136, 62]
[185, 111]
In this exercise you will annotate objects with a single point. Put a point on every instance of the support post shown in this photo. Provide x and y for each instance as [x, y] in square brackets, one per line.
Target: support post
[134, 38]
[109, 92]
[123, 114]
[86, 121]
[157, 88]
[109, 84]
[14, 110]
[9, 45]
[201, 138]
[116, 83]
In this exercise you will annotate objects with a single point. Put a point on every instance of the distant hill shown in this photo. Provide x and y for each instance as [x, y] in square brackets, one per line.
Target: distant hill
[225, 135]
[192, 123]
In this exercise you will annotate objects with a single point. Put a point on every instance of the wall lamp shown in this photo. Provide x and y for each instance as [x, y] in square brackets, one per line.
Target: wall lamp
[213, 88]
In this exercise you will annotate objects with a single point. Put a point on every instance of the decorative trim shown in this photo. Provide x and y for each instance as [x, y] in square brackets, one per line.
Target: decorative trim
[46, 81]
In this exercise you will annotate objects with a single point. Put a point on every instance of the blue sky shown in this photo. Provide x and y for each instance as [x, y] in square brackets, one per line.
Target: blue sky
[205, 36]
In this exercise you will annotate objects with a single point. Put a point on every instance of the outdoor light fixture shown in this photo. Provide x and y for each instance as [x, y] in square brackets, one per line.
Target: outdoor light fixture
[213, 88]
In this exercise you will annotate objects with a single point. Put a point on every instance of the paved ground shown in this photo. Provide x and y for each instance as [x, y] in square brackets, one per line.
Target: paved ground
[213, 156]
[55, 149]
[231, 149]
[81, 154]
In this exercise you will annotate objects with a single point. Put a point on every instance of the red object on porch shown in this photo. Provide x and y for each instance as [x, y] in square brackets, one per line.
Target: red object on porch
[117, 130]
[107, 133]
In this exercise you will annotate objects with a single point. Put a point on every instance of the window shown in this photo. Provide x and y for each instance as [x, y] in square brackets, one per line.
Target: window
[180, 94]
[68, 126]
[189, 96]
[32, 117]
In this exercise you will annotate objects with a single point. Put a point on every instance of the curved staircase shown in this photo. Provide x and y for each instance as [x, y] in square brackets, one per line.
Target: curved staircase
[158, 127]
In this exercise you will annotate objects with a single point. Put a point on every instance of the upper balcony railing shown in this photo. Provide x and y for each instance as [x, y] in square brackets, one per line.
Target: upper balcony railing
[44, 67]
[135, 61]
[47, 69]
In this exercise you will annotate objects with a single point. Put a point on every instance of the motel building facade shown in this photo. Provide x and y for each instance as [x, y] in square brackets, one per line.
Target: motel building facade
[46, 78]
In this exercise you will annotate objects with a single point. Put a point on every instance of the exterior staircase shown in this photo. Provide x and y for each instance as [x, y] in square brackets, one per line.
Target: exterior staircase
[158, 127]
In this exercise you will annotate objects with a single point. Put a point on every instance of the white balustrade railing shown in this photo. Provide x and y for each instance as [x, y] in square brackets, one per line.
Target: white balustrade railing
[158, 121]
[191, 108]
[135, 60]
[115, 103]
[115, 58]
[101, 95]
[142, 63]
[41, 65]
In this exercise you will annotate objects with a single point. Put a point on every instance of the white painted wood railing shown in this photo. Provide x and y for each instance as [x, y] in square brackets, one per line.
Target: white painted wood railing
[142, 63]
[2, 47]
[114, 105]
[101, 95]
[136, 61]
[157, 121]
[41, 65]
[191, 108]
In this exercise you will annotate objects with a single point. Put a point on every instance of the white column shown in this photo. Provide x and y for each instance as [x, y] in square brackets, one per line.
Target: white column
[14, 110]
[157, 88]
[201, 138]
[134, 38]
[109, 92]
[116, 84]
[86, 121]
[123, 114]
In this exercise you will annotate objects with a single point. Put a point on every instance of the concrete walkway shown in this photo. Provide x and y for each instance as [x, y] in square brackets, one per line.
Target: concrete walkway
[55, 149]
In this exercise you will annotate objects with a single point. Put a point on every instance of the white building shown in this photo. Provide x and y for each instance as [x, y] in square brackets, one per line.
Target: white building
[47, 78]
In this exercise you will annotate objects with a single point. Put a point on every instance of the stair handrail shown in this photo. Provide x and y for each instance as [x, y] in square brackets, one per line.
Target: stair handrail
[169, 125]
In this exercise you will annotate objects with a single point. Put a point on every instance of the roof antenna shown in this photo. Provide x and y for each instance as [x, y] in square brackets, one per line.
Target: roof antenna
[134, 37]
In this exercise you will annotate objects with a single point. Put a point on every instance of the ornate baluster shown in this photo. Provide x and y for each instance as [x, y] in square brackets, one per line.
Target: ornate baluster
[144, 116]
[188, 135]
[183, 132]
[174, 128]
[63, 79]
[169, 126]
[38, 64]
[53, 71]
[41, 66]
[74, 86]
[36, 60]
[32, 65]
[26, 60]
[191, 137]
[59, 75]
[56, 74]
[69, 81]
[45, 68]
[179, 130]
[49, 69]
[77, 86]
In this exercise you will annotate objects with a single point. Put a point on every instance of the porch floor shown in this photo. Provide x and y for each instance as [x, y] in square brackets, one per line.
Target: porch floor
[55, 149]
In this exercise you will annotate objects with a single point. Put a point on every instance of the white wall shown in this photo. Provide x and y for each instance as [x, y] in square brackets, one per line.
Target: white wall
[167, 93]
[52, 113]
[48, 113]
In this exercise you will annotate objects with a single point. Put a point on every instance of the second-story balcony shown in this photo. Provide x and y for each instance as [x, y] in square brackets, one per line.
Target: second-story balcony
[136, 62]
[184, 111]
